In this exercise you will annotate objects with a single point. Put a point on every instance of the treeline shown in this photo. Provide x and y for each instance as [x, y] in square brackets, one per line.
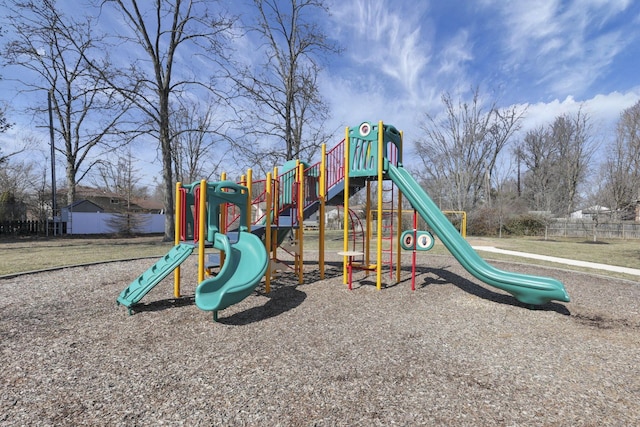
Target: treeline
[170, 75]
[474, 159]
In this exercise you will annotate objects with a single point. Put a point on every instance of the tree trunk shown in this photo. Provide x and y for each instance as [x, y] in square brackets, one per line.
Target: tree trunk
[167, 171]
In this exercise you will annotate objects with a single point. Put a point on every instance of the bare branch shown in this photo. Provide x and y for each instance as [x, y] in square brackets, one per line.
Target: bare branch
[284, 112]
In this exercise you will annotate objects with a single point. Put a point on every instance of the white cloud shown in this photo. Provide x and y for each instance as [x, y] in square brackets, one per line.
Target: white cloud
[603, 111]
[456, 54]
[567, 46]
[382, 37]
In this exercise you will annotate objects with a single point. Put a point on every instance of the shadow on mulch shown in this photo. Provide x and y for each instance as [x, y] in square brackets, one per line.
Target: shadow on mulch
[285, 295]
[444, 276]
[164, 304]
[280, 301]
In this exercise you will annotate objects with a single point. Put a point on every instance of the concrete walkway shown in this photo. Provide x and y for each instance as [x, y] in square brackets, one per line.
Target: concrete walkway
[594, 265]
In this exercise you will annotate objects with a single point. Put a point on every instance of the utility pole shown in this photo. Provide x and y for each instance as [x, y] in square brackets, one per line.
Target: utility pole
[53, 165]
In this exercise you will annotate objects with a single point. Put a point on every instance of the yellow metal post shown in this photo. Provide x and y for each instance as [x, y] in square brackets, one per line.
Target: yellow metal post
[379, 223]
[463, 225]
[249, 197]
[399, 236]
[222, 220]
[463, 221]
[368, 229]
[178, 214]
[223, 212]
[201, 228]
[321, 214]
[345, 231]
[275, 212]
[268, 208]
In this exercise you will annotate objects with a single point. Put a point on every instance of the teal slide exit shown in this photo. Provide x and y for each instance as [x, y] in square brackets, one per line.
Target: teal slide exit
[525, 288]
[244, 266]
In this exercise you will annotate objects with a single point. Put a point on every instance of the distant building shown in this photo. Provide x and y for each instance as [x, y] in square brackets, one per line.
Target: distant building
[592, 212]
[90, 199]
[96, 211]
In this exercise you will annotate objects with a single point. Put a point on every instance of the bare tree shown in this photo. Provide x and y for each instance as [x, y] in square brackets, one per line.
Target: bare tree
[505, 203]
[557, 158]
[539, 153]
[4, 124]
[460, 149]
[156, 33]
[195, 141]
[576, 148]
[122, 177]
[51, 47]
[285, 111]
[621, 169]
[17, 178]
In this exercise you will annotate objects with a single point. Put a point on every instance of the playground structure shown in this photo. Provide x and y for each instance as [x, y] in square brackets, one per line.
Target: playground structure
[247, 223]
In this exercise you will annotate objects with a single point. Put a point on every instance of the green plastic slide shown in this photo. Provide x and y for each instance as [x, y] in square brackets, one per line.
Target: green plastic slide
[150, 278]
[525, 288]
[244, 265]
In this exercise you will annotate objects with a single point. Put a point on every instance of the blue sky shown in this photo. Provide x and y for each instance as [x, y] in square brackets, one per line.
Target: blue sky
[549, 56]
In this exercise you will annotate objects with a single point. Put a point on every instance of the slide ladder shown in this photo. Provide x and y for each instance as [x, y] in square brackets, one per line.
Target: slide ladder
[150, 278]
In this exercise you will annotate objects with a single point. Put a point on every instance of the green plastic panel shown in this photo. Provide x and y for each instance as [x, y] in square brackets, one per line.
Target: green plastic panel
[423, 238]
[363, 148]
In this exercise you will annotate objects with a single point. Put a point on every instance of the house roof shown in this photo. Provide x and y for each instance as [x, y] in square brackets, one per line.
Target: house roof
[86, 206]
[595, 209]
[98, 196]
[148, 204]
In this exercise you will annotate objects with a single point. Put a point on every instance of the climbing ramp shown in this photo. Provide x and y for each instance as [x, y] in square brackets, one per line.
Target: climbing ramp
[158, 271]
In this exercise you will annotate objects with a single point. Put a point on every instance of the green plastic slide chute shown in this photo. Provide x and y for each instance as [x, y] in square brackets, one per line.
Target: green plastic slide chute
[528, 289]
[150, 278]
[244, 266]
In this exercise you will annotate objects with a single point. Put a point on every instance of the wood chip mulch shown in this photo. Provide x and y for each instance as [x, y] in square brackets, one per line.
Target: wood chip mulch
[453, 352]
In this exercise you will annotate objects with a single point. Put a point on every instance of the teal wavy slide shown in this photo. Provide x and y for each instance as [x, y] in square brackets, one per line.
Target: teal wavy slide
[150, 278]
[244, 265]
[528, 289]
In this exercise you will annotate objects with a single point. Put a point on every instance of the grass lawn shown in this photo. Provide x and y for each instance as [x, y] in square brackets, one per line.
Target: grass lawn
[624, 253]
[40, 253]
